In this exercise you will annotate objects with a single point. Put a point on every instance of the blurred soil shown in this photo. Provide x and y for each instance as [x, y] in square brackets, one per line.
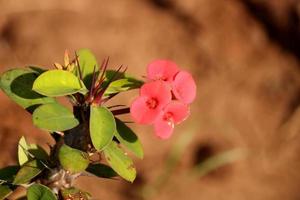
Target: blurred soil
[244, 55]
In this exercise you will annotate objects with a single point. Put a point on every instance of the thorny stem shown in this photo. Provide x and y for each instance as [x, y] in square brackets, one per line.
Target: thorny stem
[99, 95]
[91, 96]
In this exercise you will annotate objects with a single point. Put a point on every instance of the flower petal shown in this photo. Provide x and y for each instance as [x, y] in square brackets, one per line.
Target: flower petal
[157, 90]
[141, 113]
[184, 87]
[163, 129]
[178, 111]
[164, 70]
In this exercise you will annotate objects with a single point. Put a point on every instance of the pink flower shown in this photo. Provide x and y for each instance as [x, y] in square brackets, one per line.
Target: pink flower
[155, 105]
[182, 82]
[154, 96]
[174, 113]
[184, 87]
[164, 70]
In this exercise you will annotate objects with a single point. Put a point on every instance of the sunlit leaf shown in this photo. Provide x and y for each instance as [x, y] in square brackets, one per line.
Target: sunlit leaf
[121, 85]
[55, 83]
[28, 152]
[28, 171]
[74, 194]
[40, 192]
[17, 84]
[54, 117]
[120, 162]
[72, 159]
[101, 170]
[87, 62]
[129, 139]
[22, 148]
[102, 126]
[5, 191]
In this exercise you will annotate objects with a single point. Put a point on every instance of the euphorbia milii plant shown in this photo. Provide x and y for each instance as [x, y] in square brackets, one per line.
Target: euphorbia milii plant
[92, 128]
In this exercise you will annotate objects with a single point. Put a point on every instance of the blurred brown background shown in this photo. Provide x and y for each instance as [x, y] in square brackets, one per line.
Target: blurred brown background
[244, 55]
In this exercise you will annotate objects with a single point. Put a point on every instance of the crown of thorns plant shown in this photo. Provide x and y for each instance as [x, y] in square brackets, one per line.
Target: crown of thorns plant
[92, 130]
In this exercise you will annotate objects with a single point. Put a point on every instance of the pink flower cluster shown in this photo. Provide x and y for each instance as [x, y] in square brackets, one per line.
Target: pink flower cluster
[164, 100]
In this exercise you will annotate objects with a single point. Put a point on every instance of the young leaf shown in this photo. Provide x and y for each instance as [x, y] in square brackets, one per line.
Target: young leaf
[28, 171]
[54, 83]
[5, 191]
[7, 174]
[73, 160]
[87, 62]
[129, 139]
[74, 194]
[102, 126]
[101, 170]
[28, 152]
[22, 151]
[17, 84]
[54, 117]
[121, 85]
[121, 163]
[40, 192]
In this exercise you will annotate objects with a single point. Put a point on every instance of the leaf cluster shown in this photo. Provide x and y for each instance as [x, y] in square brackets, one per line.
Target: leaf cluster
[89, 130]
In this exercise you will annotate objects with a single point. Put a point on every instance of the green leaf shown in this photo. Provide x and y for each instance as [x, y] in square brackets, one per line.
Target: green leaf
[36, 69]
[40, 192]
[8, 174]
[74, 194]
[129, 139]
[102, 126]
[110, 74]
[73, 160]
[22, 151]
[28, 171]
[54, 83]
[120, 162]
[5, 191]
[87, 62]
[28, 152]
[121, 85]
[17, 84]
[101, 170]
[54, 117]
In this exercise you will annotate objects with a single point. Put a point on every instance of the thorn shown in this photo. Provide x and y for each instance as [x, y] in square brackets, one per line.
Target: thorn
[58, 66]
[103, 70]
[114, 106]
[121, 111]
[91, 94]
[108, 98]
[66, 58]
[101, 77]
[78, 66]
[102, 91]
[128, 122]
